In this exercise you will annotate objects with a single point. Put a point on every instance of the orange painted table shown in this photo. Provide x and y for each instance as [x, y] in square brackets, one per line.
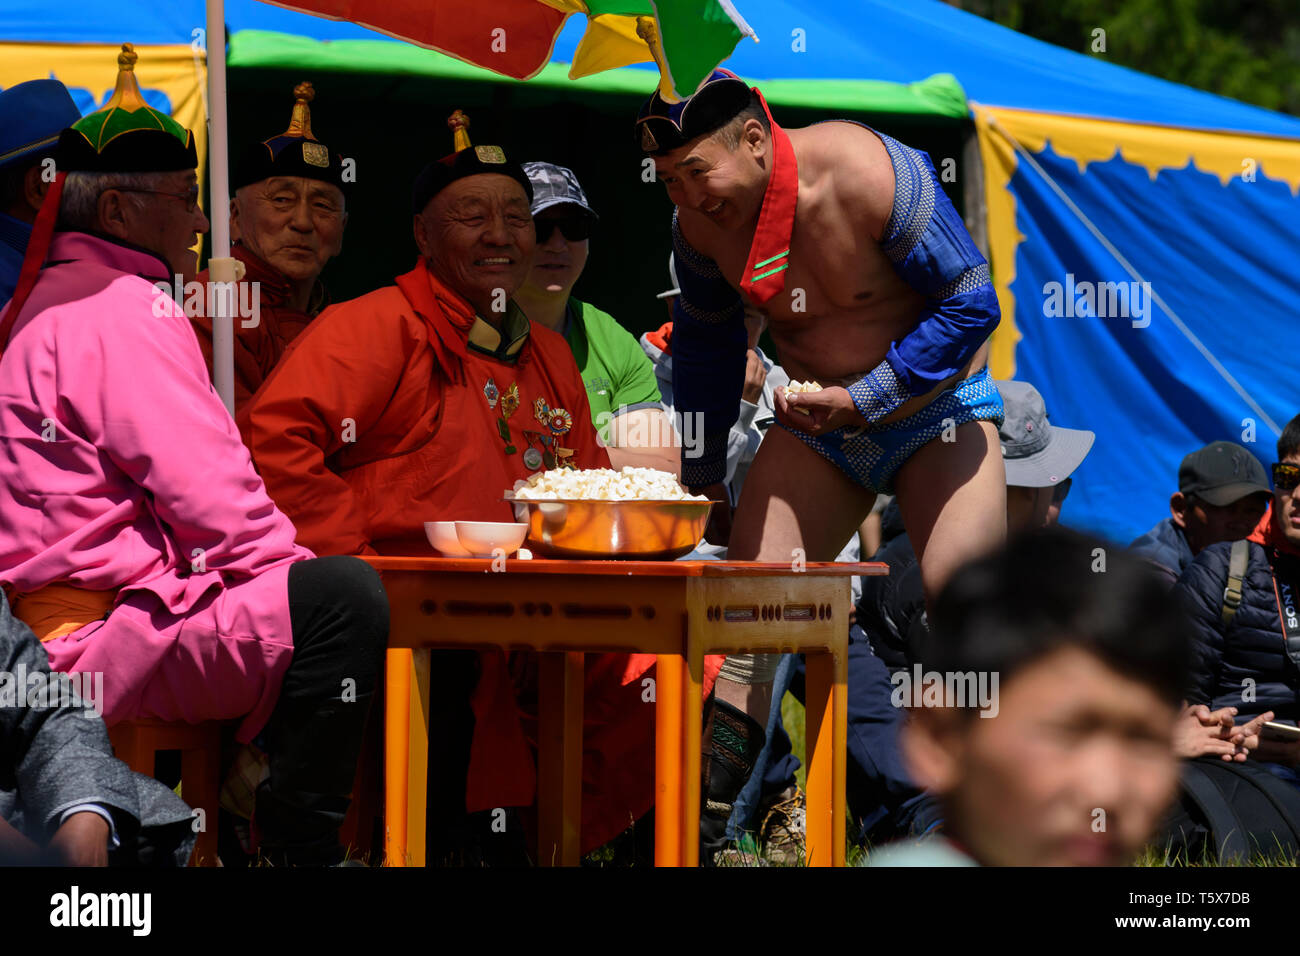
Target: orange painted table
[678, 610]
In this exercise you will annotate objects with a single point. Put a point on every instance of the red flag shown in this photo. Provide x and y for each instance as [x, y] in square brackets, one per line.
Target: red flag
[510, 37]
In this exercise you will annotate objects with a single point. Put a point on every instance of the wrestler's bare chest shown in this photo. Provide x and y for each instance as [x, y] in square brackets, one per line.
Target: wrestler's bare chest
[843, 303]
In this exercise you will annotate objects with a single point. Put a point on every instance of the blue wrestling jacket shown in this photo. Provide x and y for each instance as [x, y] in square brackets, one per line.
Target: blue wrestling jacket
[932, 252]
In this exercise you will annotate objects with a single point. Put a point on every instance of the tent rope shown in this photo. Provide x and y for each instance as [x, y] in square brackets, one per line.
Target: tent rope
[1128, 267]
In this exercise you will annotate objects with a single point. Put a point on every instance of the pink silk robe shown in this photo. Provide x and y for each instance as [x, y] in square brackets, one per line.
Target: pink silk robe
[120, 470]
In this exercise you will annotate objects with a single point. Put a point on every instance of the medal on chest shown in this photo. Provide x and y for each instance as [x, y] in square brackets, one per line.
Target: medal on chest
[543, 445]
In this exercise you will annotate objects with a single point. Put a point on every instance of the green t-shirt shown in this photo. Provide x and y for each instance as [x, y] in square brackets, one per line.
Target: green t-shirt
[618, 374]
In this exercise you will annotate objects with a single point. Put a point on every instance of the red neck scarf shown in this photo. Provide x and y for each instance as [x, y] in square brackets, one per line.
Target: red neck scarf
[769, 254]
[1270, 535]
[449, 317]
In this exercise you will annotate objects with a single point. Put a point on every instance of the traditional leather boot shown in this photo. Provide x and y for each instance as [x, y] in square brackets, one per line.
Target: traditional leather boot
[734, 742]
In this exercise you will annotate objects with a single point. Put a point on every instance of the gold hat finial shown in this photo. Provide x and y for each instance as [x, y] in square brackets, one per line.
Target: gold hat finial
[126, 95]
[459, 125]
[300, 121]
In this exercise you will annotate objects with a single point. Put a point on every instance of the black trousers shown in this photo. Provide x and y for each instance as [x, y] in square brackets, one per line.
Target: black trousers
[339, 614]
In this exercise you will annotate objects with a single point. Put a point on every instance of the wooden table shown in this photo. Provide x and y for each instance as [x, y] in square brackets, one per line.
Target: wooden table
[678, 610]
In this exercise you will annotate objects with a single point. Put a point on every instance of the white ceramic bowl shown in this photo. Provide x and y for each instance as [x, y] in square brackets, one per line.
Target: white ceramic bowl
[482, 538]
[442, 535]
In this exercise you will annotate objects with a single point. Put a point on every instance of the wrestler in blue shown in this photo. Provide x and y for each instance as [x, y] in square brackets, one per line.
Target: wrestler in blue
[845, 242]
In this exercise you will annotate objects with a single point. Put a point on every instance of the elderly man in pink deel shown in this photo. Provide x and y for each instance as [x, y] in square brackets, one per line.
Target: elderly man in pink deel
[137, 540]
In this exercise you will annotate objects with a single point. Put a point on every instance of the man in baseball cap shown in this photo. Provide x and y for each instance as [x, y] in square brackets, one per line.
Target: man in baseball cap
[1038, 455]
[620, 379]
[1222, 493]
[32, 115]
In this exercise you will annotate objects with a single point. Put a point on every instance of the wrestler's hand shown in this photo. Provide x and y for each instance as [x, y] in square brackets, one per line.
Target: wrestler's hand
[829, 409]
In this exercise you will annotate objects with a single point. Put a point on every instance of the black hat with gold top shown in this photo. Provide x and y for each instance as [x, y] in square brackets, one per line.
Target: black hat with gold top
[126, 135]
[295, 152]
[465, 160]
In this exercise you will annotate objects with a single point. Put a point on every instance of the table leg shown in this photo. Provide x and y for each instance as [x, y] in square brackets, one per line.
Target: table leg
[397, 744]
[826, 735]
[559, 771]
[693, 733]
[668, 760]
[417, 760]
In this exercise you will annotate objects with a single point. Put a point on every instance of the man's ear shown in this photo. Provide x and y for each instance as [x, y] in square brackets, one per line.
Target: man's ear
[1178, 506]
[113, 213]
[754, 136]
[35, 187]
[419, 230]
[931, 741]
[234, 219]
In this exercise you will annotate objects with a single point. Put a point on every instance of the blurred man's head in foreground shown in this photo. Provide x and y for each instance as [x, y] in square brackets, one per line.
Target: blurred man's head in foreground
[1091, 656]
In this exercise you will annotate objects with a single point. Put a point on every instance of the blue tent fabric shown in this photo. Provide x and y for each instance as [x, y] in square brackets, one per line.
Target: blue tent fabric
[1220, 257]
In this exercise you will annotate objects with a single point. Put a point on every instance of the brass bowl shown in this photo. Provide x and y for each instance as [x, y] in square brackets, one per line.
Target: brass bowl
[625, 530]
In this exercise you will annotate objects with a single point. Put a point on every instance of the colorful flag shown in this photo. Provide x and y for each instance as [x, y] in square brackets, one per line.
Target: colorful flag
[686, 38]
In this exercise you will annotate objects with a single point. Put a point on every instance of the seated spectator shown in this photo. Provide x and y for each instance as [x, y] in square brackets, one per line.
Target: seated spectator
[621, 389]
[139, 542]
[1222, 493]
[448, 388]
[32, 115]
[64, 798]
[1076, 767]
[286, 219]
[1246, 632]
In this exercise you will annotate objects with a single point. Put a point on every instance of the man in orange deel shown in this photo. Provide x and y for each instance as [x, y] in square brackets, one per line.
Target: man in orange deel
[427, 400]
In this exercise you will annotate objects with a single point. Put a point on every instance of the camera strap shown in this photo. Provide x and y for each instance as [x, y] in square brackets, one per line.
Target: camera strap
[1286, 590]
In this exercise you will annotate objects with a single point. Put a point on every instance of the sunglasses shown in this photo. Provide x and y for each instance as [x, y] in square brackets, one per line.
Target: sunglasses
[1286, 476]
[717, 101]
[575, 229]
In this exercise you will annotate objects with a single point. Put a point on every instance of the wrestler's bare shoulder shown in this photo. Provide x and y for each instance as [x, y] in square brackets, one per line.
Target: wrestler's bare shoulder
[844, 172]
[845, 167]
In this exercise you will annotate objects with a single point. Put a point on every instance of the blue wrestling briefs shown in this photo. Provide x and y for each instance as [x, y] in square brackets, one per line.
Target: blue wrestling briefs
[872, 454]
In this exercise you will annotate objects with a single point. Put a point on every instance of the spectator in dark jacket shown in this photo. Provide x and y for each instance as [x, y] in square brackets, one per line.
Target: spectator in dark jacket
[1251, 662]
[1222, 493]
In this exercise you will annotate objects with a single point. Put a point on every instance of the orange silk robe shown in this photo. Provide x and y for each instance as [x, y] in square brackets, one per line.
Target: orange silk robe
[258, 349]
[381, 418]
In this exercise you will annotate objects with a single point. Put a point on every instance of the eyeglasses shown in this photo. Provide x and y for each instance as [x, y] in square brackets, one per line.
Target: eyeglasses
[719, 99]
[1286, 476]
[575, 229]
[190, 197]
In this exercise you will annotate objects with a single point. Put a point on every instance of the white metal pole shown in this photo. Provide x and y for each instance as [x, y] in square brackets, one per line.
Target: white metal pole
[221, 267]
